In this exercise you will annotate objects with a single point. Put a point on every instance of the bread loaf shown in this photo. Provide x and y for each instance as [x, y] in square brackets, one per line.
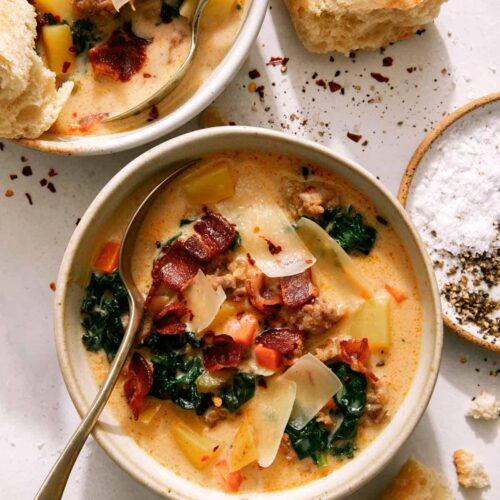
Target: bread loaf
[347, 25]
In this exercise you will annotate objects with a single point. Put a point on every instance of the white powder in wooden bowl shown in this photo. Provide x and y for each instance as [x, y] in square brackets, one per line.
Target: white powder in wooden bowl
[454, 202]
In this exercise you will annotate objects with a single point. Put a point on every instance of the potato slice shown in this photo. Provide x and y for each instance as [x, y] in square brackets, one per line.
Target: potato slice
[57, 42]
[217, 11]
[243, 450]
[212, 185]
[372, 321]
[61, 8]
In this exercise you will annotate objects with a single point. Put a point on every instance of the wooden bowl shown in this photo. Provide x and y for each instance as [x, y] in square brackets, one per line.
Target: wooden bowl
[406, 181]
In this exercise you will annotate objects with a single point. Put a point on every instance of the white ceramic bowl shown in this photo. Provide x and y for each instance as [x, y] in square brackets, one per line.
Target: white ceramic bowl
[74, 268]
[255, 11]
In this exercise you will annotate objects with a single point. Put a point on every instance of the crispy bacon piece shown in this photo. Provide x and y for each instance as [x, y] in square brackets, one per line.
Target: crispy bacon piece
[215, 236]
[168, 320]
[298, 289]
[223, 353]
[259, 298]
[283, 340]
[121, 56]
[138, 383]
[357, 354]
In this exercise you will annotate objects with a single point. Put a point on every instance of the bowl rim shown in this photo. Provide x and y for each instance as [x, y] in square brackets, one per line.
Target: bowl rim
[186, 141]
[407, 180]
[210, 89]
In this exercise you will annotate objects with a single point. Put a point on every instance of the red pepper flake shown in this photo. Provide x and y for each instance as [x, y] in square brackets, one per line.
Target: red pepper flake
[379, 77]
[321, 83]
[72, 49]
[51, 172]
[43, 182]
[333, 86]
[411, 69]
[24, 159]
[13, 177]
[52, 286]
[354, 137]
[273, 249]
[27, 171]
[260, 91]
[153, 114]
[276, 61]
[30, 200]
[250, 259]
[66, 65]
[387, 61]
[9, 193]
[51, 187]
[74, 114]
[146, 75]
[254, 74]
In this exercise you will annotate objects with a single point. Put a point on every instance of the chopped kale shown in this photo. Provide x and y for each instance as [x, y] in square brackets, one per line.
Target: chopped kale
[236, 242]
[47, 19]
[185, 222]
[102, 308]
[315, 439]
[346, 226]
[240, 390]
[169, 10]
[174, 376]
[172, 239]
[306, 172]
[161, 344]
[84, 35]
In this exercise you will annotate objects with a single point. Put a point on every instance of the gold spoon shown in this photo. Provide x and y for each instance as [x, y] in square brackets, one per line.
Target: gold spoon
[171, 84]
[55, 482]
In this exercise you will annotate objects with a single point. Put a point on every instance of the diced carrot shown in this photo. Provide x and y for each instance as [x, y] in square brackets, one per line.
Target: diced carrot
[107, 259]
[232, 480]
[330, 404]
[398, 295]
[268, 358]
[242, 328]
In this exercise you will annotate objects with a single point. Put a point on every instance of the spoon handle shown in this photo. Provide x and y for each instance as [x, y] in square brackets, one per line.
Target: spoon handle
[55, 482]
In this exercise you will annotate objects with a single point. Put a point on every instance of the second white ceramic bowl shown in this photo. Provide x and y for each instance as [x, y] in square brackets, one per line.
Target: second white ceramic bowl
[75, 268]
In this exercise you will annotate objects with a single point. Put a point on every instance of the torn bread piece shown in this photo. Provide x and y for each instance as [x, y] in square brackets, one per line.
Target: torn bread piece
[347, 25]
[416, 481]
[470, 471]
[485, 407]
[29, 99]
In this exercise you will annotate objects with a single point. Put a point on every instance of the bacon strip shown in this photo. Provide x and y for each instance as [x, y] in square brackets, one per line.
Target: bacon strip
[259, 298]
[283, 340]
[121, 56]
[168, 320]
[357, 353]
[224, 353]
[298, 289]
[138, 383]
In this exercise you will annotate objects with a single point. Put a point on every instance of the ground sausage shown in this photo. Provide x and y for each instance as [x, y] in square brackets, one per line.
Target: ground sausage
[327, 351]
[376, 399]
[316, 317]
[92, 7]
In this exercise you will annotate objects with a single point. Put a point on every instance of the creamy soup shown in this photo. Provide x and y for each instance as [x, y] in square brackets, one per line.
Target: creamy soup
[303, 318]
[118, 60]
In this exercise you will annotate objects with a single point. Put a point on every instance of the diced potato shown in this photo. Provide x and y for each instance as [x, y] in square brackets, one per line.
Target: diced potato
[217, 11]
[187, 9]
[243, 450]
[61, 8]
[226, 311]
[57, 42]
[149, 413]
[211, 382]
[372, 321]
[200, 450]
[211, 186]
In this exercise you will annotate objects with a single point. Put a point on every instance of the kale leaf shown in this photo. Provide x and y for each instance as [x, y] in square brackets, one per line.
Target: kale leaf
[169, 10]
[161, 344]
[315, 439]
[346, 226]
[174, 377]
[84, 34]
[238, 392]
[102, 309]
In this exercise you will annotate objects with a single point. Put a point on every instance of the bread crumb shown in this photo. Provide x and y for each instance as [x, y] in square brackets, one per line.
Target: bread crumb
[470, 472]
[416, 481]
[485, 406]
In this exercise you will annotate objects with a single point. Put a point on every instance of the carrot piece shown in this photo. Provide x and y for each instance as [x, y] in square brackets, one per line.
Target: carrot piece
[268, 358]
[242, 328]
[398, 295]
[232, 480]
[107, 259]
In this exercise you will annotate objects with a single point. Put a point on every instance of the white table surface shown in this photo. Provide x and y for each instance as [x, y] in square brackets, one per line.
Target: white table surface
[456, 60]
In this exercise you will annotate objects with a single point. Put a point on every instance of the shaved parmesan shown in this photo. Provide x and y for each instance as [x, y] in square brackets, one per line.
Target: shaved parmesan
[266, 231]
[118, 4]
[203, 301]
[269, 412]
[316, 384]
[334, 273]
